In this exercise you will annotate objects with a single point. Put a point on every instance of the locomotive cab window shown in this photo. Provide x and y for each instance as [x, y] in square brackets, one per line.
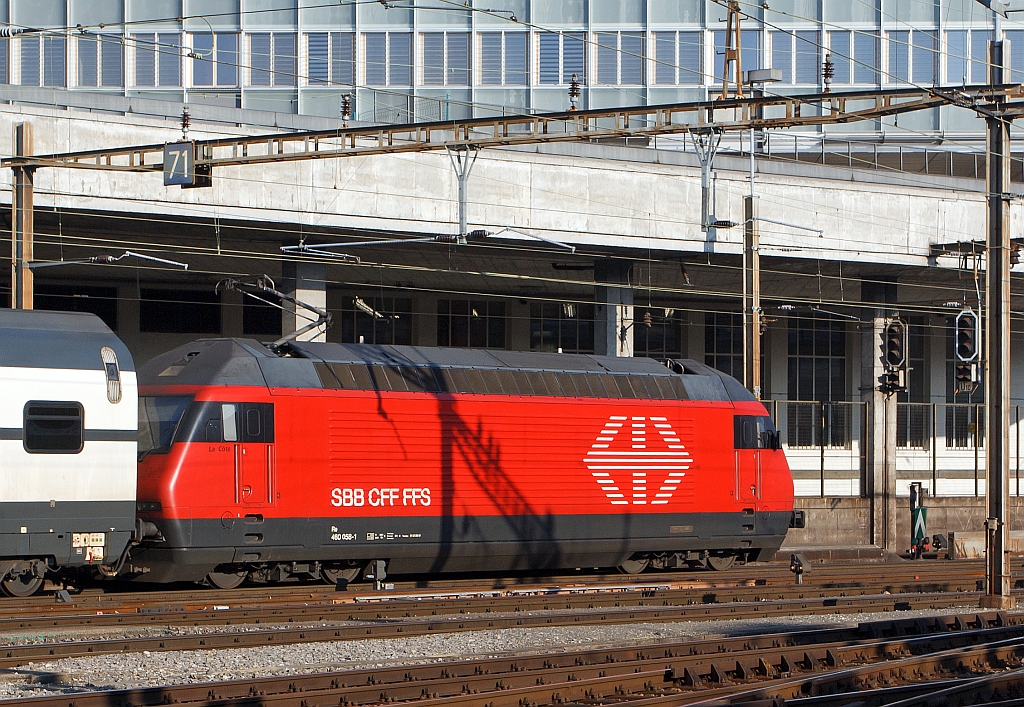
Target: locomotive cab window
[53, 428]
[755, 432]
[159, 416]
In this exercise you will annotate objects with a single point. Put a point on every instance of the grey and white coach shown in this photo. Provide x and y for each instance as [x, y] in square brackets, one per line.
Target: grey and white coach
[68, 444]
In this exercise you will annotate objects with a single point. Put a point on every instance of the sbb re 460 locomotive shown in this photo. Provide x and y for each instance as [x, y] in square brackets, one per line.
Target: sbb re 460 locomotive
[323, 459]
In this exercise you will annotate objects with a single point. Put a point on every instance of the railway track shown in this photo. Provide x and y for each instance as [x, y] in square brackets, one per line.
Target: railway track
[895, 578]
[416, 619]
[874, 663]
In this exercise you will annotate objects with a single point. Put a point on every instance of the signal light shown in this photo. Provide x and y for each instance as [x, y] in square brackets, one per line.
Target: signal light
[967, 336]
[895, 344]
[966, 377]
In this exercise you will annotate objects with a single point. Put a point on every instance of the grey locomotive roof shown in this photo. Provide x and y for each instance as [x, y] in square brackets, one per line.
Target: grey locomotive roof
[42, 339]
[246, 362]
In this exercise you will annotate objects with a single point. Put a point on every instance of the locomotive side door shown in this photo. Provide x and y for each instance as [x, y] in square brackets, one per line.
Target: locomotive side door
[748, 443]
[250, 426]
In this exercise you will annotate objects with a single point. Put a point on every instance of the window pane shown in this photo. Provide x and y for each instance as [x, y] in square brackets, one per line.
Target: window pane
[632, 58]
[169, 53]
[925, 52]
[750, 50]
[807, 61]
[607, 55]
[979, 56]
[375, 59]
[665, 57]
[515, 59]
[690, 66]
[29, 61]
[458, 59]
[227, 59]
[865, 53]
[111, 52]
[899, 62]
[259, 59]
[86, 61]
[318, 48]
[782, 55]
[719, 67]
[400, 61]
[5, 76]
[343, 61]
[490, 58]
[433, 59]
[840, 51]
[956, 57]
[53, 61]
[1016, 63]
[53, 427]
[548, 55]
[202, 66]
[285, 59]
[229, 422]
[145, 59]
[574, 52]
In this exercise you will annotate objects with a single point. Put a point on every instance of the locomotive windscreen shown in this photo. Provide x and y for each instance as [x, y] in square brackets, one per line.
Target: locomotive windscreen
[159, 416]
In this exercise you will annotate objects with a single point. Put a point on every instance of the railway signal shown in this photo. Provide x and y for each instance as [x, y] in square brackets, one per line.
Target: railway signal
[967, 354]
[894, 356]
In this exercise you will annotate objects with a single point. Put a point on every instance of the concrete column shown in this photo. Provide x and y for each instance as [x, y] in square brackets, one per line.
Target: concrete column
[306, 282]
[424, 332]
[777, 346]
[128, 318]
[880, 435]
[231, 305]
[517, 325]
[613, 313]
[694, 336]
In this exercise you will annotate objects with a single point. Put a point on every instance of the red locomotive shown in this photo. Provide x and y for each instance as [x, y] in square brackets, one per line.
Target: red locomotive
[322, 459]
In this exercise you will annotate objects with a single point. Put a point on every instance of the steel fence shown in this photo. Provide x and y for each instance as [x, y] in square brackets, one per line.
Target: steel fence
[940, 445]
[823, 443]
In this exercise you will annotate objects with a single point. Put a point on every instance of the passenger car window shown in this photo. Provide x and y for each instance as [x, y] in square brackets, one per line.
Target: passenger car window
[53, 427]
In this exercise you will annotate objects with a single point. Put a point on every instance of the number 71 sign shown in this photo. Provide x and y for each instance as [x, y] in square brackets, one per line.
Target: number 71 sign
[179, 163]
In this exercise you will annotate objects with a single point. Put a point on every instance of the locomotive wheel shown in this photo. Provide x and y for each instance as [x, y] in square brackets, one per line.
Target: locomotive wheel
[720, 563]
[332, 575]
[23, 584]
[226, 580]
[634, 566]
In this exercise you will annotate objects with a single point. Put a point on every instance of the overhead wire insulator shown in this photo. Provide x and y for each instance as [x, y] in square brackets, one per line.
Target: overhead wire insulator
[13, 31]
[828, 72]
[574, 92]
[346, 108]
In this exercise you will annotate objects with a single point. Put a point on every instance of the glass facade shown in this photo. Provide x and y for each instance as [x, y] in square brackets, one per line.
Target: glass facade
[428, 63]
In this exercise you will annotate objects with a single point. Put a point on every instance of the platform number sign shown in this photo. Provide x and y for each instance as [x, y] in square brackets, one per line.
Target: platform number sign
[179, 163]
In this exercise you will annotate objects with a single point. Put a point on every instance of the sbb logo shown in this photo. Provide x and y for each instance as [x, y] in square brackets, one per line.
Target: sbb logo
[625, 447]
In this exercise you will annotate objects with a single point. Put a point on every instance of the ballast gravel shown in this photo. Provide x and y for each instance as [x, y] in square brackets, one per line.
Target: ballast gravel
[147, 669]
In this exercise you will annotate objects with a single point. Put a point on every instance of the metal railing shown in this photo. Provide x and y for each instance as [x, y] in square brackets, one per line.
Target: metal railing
[823, 443]
[940, 445]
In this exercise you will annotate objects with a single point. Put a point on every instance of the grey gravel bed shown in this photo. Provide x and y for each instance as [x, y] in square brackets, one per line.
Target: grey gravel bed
[180, 667]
